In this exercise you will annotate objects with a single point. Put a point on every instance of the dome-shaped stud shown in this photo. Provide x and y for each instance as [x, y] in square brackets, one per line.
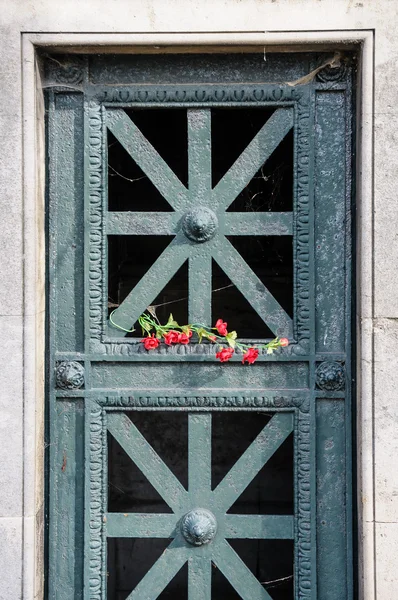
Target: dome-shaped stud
[69, 375]
[330, 376]
[200, 224]
[199, 526]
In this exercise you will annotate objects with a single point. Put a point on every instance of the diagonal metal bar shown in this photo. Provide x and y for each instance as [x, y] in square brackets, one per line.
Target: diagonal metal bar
[253, 289]
[199, 297]
[199, 577]
[199, 458]
[147, 158]
[141, 223]
[275, 527]
[199, 154]
[161, 573]
[236, 572]
[258, 223]
[140, 525]
[147, 460]
[150, 285]
[253, 157]
[252, 460]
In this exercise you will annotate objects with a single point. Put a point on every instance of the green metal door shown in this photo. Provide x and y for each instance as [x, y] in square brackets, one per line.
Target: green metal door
[175, 187]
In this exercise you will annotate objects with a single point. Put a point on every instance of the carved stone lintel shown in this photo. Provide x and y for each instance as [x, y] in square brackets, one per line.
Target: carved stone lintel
[69, 375]
[199, 526]
[200, 224]
[330, 376]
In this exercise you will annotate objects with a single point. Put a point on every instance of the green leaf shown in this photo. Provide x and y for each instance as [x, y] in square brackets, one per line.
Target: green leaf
[200, 333]
[171, 322]
[146, 326]
[270, 350]
[231, 337]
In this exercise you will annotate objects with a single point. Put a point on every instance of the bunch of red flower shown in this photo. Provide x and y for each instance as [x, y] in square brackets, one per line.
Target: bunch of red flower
[174, 337]
[251, 354]
[171, 337]
[221, 327]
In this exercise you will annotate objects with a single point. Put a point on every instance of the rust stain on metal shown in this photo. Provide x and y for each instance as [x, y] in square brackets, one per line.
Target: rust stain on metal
[64, 461]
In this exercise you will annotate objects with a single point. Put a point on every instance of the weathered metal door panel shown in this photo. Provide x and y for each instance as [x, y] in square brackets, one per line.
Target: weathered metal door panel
[170, 474]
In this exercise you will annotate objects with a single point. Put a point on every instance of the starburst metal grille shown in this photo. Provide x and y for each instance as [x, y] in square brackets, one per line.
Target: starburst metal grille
[200, 224]
[200, 525]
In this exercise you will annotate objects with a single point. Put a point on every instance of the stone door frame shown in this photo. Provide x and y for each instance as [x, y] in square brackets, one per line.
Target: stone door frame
[34, 258]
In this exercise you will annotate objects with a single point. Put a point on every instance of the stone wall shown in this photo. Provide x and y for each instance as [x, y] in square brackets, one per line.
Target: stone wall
[27, 24]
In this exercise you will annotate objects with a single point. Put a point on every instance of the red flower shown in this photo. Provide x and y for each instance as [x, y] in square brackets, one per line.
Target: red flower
[250, 356]
[225, 354]
[150, 342]
[212, 338]
[221, 327]
[183, 338]
[171, 337]
[283, 342]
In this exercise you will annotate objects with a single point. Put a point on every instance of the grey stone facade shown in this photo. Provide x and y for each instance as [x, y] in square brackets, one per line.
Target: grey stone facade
[289, 24]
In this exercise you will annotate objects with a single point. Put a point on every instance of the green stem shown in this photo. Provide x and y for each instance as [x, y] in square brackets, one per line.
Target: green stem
[118, 326]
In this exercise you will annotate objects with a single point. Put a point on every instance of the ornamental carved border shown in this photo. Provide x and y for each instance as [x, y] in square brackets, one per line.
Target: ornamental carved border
[94, 218]
[95, 202]
[96, 469]
[237, 402]
[192, 94]
[95, 483]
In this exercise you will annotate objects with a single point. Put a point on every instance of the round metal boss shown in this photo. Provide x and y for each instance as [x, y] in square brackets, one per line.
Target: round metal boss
[200, 224]
[330, 376]
[199, 526]
[69, 375]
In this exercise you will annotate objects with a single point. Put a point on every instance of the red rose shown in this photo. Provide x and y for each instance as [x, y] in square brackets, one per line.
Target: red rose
[221, 327]
[150, 342]
[283, 342]
[212, 338]
[171, 337]
[225, 354]
[183, 338]
[250, 356]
